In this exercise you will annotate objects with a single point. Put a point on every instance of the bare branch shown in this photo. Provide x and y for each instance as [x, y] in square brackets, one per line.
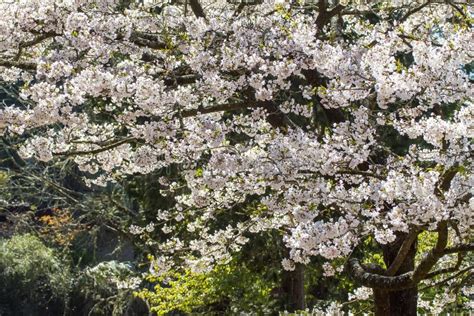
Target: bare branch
[402, 252]
[447, 270]
[434, 254]
[197, 9]
[448, 279]
[413, 11]
[376, 281]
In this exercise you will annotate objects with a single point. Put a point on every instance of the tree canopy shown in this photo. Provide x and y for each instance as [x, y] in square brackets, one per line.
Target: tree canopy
[342, 128]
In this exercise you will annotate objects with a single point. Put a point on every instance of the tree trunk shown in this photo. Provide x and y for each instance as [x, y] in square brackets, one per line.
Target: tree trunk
[293, 287]
[397, 303]
[381, 303]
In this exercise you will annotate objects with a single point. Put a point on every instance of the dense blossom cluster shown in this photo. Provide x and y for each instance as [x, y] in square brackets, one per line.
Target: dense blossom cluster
[244, 104]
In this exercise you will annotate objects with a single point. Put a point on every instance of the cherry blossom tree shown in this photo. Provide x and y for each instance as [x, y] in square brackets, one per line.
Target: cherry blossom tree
[340, 124]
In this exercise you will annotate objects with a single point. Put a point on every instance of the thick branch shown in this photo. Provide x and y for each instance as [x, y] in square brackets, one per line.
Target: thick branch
[197, 9]
[180, 80]
[147, 40]
[402, 252]
[434, 254]
[377, 281]
[324, 16]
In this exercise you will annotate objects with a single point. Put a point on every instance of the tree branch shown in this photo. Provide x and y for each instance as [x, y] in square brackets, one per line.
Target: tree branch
[186, 113]
[413, 11]
[402, 252]
[362, 173]
[98, 150]
[434, 254]
[17, 64]
[38, 39]
[457, 9]
[147, 40]
[448, 279]
[324, 16]
[220, 108]
[447, 270]
[444, 182]
[459, 248]
[197, 9]
[377, 281]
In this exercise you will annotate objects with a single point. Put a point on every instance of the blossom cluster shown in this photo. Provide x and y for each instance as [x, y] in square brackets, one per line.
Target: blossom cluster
[262, 114]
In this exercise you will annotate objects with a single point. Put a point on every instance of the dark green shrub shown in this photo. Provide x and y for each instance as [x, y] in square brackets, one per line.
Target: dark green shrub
[35, 279]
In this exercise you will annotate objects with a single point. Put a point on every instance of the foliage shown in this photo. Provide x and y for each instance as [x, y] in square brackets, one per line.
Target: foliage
[179, 292]
[32, 273]
[226, 288]
[59, 227]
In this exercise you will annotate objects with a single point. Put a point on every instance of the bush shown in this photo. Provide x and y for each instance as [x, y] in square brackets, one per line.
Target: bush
[226, 289]
[34, 277]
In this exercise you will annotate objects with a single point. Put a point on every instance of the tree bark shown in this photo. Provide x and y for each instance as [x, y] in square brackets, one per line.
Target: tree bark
[402, 302]
[293, 287]
[381, 303]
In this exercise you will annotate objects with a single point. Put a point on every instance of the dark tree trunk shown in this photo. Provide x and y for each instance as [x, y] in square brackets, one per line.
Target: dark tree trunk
[293, 287]
[397, 303]
[381, 303]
